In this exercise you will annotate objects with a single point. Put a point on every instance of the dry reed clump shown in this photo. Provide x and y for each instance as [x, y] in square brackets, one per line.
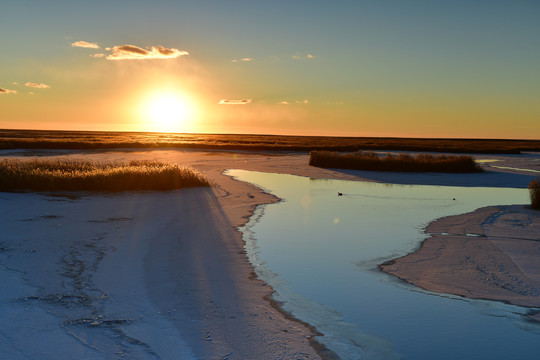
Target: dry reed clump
[534, 192]
[368, 160]
[79, 175]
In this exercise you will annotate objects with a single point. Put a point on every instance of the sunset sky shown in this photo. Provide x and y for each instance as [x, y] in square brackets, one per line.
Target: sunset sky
[406, 68]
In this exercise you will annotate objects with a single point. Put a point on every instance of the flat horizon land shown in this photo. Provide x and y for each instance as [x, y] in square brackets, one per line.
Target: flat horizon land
[165, 274]
[62, 139]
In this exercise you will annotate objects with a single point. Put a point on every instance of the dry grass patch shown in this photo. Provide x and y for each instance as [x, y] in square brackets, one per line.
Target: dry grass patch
[364, 160]
[534, 192]
[79, 175]
[46, 139]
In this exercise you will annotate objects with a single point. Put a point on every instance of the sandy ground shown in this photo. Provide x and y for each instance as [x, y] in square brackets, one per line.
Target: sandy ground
[491, 253]
[165, 275]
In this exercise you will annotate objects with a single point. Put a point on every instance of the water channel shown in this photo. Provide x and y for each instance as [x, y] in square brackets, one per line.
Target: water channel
[320, 252]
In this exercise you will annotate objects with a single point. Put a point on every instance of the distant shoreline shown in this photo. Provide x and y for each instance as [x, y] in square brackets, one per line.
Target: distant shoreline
[45, 139]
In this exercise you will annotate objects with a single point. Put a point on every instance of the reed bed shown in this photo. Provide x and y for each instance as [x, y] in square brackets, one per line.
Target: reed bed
[46, 139]
[534, 192]
[367, 160]
[80, 175]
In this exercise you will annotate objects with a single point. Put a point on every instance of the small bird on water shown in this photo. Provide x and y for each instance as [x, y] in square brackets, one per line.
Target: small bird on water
[339, 194]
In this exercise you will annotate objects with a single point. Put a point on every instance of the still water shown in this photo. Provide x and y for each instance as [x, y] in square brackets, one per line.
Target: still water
[320, 252]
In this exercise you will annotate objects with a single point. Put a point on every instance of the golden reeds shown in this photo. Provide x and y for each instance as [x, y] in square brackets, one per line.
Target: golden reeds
[80, 175]
[367, 160]
[534, 192]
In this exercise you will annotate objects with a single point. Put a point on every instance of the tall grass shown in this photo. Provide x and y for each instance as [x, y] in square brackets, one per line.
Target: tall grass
[534, 192]
[78, 175]
[400, 163]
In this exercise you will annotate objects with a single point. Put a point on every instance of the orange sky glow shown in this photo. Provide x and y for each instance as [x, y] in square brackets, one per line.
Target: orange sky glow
[357, 70]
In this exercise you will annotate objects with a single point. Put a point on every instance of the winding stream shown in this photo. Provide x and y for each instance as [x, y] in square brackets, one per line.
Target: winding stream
[320, 252]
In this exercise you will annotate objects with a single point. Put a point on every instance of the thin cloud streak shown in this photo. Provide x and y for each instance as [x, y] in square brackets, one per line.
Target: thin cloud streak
[246, 59]
[132, 52]
[85, 44]
[299, 56]
[234, 101]
[301, 102]
[39, 86]
[7, 91]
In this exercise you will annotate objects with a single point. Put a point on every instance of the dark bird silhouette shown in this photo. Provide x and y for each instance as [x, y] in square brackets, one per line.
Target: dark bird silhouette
[339, 194]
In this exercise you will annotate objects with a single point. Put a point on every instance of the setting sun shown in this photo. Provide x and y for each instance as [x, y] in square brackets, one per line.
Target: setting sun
[167, 112]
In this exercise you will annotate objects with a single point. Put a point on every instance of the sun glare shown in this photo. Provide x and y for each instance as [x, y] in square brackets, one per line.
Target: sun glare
[168, 112]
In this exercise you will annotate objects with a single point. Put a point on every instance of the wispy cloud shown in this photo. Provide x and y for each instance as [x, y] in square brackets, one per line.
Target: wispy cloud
[7, 91]
[234, 101]
[132, 52]
[301, 102]
[300, 56]
[100, 55]
[85, 44]
[39, 86]
[246, 59]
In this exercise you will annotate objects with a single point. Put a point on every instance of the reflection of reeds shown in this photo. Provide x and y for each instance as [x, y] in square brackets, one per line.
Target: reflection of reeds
[401, 163]
[534, 191]
[51, 175]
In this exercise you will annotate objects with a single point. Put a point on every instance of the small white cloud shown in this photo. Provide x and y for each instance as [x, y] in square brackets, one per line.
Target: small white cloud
[132, 52]
[7, 91]
[85, 44]
[283, 103]
[300, 56]
[234, 101]
[97, 55]
[246, 59]
[39, 86]
[305, 101]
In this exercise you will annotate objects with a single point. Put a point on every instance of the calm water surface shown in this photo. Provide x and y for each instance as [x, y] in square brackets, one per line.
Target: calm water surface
[320, 252]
